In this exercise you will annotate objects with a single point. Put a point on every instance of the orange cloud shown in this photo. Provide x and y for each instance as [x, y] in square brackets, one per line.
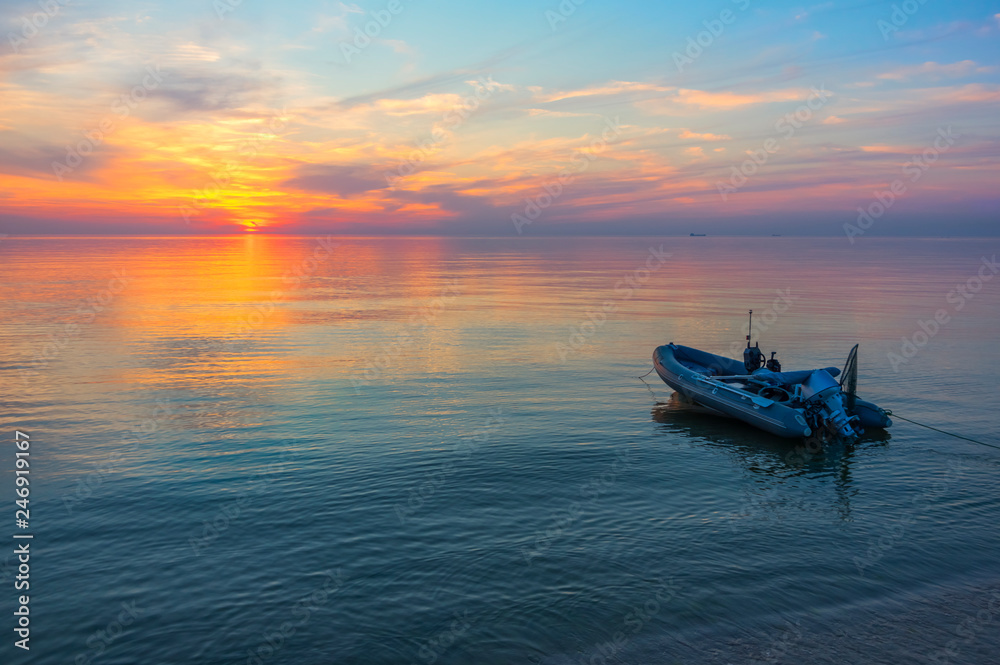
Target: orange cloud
[688, 134]
[687, 100]
[730, 100]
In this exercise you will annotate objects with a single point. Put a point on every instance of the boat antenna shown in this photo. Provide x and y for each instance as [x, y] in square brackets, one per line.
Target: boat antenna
[749, 328]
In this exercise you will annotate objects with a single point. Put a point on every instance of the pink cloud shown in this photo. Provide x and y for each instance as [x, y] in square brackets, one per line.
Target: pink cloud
[935, 70]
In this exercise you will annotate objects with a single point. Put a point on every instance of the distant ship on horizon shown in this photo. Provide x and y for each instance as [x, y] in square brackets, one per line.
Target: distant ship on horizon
[697, 234]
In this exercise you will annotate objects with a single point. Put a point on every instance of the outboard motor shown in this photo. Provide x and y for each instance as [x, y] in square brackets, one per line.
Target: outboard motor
[823, 394]
[773, 363]
[753, 358]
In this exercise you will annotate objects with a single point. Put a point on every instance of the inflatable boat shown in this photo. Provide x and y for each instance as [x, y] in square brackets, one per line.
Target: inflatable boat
[800, 404]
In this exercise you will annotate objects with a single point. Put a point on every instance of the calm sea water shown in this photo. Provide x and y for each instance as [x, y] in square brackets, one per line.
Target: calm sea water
[415, 451]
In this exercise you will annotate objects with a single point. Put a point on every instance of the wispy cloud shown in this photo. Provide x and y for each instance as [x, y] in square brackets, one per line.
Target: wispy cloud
[936, 71]
[707, 136]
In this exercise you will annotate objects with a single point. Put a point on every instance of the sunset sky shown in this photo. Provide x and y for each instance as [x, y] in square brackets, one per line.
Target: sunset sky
[194, 116]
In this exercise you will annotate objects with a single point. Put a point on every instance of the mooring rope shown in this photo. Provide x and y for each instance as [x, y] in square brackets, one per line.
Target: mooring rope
[656, 400]
[964, 438]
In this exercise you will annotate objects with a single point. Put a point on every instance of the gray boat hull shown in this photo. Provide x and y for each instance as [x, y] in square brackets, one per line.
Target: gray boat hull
[690, 372]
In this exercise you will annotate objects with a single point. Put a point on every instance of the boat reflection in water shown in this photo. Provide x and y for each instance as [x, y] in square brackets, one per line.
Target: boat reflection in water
[764, 457]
